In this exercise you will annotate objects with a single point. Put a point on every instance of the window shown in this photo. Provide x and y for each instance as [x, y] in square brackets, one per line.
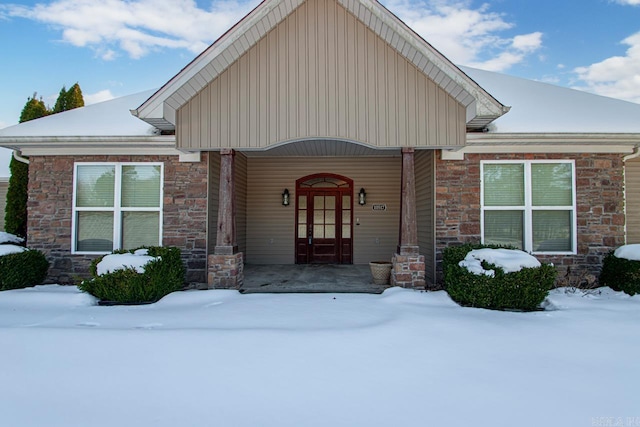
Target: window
[116, 206]
[529, 205]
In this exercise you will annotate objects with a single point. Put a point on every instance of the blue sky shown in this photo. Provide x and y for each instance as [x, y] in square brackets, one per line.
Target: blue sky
[117, 47]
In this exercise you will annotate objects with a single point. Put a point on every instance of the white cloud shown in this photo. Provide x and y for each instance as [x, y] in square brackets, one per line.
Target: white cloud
[466, 35]
[94, 98]
[527, 42]
[136, 27]
[617, 76]
[628, 2]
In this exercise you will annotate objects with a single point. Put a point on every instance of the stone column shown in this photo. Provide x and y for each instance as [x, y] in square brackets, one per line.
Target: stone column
[226, 265]
[408, 265]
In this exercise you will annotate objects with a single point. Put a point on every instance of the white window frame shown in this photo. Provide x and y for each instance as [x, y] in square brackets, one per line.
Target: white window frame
[117, 209]
[528, 207]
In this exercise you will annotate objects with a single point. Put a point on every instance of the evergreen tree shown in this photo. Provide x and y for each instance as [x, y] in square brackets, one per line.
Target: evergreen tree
[33, 109]
[69, 99]
[16, 207]
[15, 219]
[74, 97]
[61, 102]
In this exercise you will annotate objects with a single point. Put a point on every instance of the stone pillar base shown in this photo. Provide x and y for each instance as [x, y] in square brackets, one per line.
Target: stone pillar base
[408, 271]
[225, 271]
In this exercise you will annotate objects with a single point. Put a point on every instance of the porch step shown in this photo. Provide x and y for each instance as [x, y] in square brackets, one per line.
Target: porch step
[309, 278]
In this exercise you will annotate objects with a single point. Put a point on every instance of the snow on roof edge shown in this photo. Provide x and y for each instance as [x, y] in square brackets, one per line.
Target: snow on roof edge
[108, 118]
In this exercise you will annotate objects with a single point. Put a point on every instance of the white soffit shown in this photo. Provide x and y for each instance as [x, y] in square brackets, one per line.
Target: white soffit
[160, 109]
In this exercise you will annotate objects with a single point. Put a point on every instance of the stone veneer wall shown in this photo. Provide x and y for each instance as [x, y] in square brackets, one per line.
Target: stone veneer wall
[600, 208]
[50, 211]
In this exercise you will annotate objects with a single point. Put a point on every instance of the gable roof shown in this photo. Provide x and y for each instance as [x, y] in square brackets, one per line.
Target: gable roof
[160, 109]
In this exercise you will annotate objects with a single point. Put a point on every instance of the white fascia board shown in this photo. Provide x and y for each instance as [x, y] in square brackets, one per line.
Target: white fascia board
[93, 151]
[80, 145]
[485, 143]
[452, 154]
[608, 139]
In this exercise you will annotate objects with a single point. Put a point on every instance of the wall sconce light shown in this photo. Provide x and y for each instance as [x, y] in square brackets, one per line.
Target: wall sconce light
[362, 197]
[285, 197]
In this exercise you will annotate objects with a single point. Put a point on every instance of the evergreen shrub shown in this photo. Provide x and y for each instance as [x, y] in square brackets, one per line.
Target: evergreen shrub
[621, 274]
[521, 290]
[15, 218]
[160, 277]
[22, 269]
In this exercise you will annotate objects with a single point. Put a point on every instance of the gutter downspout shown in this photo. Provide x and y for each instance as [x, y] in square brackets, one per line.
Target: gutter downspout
[19, 158]
[636, 153]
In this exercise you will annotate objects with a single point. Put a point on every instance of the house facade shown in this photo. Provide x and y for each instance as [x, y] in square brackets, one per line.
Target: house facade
[327, 131]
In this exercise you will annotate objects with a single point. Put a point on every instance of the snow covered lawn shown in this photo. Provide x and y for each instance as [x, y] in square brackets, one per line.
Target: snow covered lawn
[403, 358]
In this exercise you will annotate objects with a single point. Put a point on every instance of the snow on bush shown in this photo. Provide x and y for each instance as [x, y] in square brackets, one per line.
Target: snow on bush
[11, 249]
[7, 246]
[10, 238]
[621, 269]
[114, 262]
[138, 276]
[519, 281]
[510, 260]
[630, 252]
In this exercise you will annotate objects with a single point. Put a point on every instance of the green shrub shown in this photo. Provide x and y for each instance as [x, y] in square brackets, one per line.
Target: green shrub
[621, 274]
[15, 217]
[23, 269]
[521, 290]
[161, 277]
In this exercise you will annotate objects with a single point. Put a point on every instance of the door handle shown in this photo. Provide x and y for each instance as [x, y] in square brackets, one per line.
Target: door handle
[310, 235]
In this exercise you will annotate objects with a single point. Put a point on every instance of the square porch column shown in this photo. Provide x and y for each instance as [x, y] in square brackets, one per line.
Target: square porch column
[226, 264]
[408, 265]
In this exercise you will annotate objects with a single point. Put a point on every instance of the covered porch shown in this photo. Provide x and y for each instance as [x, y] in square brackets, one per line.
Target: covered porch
[252, 226]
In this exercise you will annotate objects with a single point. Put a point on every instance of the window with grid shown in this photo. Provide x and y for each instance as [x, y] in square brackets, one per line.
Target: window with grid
[116, 206]
[529, 205]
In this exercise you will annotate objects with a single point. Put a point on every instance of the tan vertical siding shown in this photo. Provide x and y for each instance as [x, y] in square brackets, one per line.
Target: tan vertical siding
[321, 73]
[241, 201]
[270, 226]
[425, 196]
[632, 195]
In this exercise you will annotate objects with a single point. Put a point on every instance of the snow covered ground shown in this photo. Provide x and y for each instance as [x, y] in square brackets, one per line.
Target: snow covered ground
[403, 358]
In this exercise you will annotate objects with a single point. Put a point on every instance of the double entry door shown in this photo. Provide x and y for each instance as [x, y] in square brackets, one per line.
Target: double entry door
[324, 226]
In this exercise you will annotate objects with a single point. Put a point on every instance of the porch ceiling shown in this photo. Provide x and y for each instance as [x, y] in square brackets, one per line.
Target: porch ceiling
[321, 148]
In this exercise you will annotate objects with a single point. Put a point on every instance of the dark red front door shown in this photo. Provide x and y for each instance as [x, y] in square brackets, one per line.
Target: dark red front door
[323, 226]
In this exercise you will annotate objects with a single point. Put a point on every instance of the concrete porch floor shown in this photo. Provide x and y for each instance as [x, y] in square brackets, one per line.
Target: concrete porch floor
[309, 278]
